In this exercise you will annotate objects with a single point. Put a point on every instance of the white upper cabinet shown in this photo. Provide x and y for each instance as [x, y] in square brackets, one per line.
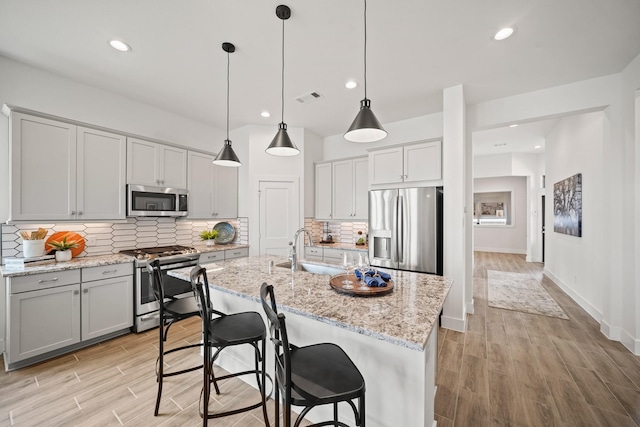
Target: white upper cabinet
[101, 170]
[213, 190]
[350, 185]
[60, 171]
[159, 165]
[341, 190]
[408, 164]
[323, 191]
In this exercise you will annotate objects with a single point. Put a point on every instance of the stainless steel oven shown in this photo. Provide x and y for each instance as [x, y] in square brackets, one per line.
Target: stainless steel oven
[171, 258]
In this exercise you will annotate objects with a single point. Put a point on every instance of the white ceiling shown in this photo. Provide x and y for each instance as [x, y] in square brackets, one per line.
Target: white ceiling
[415, 49]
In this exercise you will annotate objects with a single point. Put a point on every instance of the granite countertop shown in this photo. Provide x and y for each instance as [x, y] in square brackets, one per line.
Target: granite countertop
[404, 317]
[98, 260]
[74, 264]
[202, 247]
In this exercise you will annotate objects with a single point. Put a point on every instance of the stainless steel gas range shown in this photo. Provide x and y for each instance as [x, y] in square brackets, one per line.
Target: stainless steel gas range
[171, 257]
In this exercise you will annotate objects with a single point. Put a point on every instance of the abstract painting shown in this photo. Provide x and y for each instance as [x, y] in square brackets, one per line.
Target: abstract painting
[567, 206]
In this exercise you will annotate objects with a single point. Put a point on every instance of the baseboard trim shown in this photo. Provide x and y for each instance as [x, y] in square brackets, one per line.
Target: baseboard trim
[502, 250]
[454, 323]
[632, 344]
[591, 310]
[470, 307]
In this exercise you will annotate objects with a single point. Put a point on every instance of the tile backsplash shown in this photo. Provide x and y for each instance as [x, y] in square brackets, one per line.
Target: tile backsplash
[107, 238]
[342, 232]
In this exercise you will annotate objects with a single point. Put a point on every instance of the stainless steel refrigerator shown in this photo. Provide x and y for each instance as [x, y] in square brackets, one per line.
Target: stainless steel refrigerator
[405, 229]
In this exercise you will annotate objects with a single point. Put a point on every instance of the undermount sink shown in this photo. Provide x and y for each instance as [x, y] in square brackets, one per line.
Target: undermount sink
[313, 268]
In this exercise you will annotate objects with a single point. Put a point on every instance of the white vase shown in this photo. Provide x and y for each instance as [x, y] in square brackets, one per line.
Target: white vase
[32, 248]
[63, 256]
[210, 242]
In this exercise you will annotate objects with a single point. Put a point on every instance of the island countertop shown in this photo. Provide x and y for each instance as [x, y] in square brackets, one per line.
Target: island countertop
[403, 317]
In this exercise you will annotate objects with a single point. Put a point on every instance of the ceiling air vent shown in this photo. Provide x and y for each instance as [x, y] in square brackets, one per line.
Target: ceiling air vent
[308, 97]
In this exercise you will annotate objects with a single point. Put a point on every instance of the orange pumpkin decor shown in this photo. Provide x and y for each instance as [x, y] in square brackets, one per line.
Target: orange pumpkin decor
[71, 237]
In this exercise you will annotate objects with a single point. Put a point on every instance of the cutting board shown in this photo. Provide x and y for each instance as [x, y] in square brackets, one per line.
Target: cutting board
[71, 237]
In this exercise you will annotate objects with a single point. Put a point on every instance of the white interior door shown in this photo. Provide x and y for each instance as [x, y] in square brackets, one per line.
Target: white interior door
[279, 219]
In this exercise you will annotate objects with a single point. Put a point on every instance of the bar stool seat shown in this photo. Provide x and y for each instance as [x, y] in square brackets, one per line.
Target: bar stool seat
[223, 331]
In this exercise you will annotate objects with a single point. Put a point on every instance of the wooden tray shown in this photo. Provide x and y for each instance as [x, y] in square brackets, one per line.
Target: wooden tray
[336, 283]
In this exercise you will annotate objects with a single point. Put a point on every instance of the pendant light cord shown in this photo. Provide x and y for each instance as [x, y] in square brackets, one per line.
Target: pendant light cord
[228, 62]
[365, 49]
[282, 92]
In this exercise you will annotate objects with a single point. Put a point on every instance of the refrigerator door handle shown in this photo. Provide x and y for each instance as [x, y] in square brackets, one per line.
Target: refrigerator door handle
[400, 228]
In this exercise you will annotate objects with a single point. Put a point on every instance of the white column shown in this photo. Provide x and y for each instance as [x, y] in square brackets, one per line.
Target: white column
[456, 254]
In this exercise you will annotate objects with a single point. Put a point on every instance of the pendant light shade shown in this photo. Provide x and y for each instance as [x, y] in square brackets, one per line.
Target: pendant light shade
[226, 156]
[282, 145]
[365, 127]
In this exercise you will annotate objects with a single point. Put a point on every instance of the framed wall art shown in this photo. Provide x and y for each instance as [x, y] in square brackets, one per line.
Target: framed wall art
[567, 206]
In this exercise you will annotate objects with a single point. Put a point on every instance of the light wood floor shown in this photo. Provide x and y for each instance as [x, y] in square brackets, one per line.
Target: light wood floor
[518, 369]
[113, 384]
[510, 368]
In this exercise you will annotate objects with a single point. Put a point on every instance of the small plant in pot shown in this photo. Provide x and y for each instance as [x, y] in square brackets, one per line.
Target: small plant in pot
[63, 249]
[209, 236]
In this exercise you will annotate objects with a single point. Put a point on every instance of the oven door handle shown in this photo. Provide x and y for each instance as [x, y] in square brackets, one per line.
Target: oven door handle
[154, 316]
[190, 263]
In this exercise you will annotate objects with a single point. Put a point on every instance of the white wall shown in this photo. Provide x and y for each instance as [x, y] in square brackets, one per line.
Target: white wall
[510, 238]
[630, 100]
[27, 87]
[575, 145]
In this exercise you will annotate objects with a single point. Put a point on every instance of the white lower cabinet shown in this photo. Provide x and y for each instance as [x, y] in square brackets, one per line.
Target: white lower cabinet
[43, 314]
[313, 253]
[107, 304]
[328, 255]
[50, 312]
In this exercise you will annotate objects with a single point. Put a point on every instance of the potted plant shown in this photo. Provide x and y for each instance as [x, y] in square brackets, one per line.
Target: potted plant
[209, 236]
[63, 249]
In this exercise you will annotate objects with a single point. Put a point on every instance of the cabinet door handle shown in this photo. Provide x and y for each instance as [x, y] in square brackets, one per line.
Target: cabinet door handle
[405, 177]
[86, 291]
[76, 292]
[109, 271]
[55, 279]
[73, 212]
[79, 212]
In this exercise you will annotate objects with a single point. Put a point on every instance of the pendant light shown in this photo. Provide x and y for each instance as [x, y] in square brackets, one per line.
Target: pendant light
[226, 156]
[282, 145]
[365, 127]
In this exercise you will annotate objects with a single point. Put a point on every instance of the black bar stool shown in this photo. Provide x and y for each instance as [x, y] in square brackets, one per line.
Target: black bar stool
[310, 376]
[171, 311]
[220, 331]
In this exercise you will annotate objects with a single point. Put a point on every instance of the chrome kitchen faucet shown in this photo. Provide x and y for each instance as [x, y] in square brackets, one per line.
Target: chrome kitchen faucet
[293, 257]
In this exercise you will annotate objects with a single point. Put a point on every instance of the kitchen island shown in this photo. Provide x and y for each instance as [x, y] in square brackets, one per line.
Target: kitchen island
[391, 338]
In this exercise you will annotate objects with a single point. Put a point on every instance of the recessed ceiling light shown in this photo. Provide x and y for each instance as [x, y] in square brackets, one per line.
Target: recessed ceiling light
[503, 34]
[265, 114]
[500, 144]
[537, 146]
[515, 125]
[119, 45]
[351, 84]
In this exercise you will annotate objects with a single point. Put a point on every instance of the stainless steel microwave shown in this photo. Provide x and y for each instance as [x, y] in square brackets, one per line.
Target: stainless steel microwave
[143, 200]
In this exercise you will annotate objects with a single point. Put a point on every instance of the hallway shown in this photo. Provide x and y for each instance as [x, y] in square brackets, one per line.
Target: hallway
[514, 368]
